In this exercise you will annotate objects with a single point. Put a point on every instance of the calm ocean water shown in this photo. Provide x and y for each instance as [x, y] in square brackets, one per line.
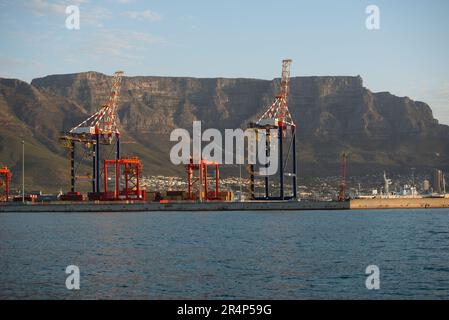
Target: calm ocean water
[226, 255]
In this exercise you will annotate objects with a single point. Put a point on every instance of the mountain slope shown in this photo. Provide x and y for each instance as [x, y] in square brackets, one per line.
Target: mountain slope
[38, 119]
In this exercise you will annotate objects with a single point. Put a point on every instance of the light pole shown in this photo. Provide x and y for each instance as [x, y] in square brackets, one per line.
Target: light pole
[23, 171]
[413, 176]
[444, 184]
[200, 196]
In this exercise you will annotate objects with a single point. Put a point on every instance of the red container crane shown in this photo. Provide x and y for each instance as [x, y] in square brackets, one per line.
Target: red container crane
[129, 170]
[5, 182]
[203, 180]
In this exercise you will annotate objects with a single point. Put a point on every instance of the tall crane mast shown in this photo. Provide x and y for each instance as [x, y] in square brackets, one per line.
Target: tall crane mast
[387, 183]
[343, 172]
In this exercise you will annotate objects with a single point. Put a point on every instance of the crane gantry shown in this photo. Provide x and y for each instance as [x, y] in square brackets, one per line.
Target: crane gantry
[278, 117]
[99, 129]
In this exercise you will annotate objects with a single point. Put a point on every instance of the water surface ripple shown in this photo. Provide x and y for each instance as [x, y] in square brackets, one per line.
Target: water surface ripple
[226, 255]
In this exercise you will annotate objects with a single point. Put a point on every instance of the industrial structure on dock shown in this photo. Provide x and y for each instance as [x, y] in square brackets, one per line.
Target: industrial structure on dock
[278, 117]
[99, 129]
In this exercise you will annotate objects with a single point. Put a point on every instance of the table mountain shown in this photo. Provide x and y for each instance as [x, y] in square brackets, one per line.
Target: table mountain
[333, 114]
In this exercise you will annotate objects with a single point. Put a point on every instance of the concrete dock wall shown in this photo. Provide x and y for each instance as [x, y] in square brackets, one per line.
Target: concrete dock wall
[175, 206]
[402, 203]
[356, 204]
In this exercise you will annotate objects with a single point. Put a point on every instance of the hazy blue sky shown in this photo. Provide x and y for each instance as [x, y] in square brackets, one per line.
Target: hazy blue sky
[408, 56]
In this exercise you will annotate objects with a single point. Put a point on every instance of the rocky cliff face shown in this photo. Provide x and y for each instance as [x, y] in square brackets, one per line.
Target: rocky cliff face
[158, 105]
[323, 107]
[333, 114]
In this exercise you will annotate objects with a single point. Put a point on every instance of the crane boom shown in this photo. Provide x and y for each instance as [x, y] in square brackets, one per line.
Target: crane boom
[104, 121]
[278, 111]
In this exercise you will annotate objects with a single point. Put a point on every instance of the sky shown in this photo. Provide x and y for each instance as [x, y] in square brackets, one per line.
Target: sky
[407, 56]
